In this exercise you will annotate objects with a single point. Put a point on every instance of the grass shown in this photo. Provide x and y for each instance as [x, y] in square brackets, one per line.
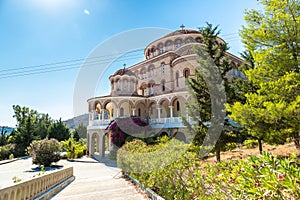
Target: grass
[242, 153]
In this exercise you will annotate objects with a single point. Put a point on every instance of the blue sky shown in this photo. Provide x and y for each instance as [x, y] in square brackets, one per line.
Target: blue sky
[38, 32]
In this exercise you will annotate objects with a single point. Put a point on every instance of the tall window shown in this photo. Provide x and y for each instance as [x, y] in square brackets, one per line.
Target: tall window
[151, 90]
[178, 106]
[161, 50]
[139, 112]
[112, 112]
[118, 85]
[177, 77]
[163, 68]
[163, 87]
[151, 72]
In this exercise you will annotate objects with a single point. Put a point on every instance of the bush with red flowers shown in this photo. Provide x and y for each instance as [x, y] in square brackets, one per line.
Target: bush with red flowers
[130, 127]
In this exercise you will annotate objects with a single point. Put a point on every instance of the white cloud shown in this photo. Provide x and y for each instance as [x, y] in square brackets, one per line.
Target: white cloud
[86, 11]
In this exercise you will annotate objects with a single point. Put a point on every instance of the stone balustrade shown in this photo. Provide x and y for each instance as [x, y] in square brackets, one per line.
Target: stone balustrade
[37, 187]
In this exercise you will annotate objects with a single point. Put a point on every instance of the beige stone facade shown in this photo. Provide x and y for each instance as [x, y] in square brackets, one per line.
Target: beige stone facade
[154, 89]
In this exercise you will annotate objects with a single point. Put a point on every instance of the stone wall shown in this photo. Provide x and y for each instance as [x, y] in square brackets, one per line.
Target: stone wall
[37, 187]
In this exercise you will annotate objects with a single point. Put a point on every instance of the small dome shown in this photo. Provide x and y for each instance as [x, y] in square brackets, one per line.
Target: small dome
[124, 71]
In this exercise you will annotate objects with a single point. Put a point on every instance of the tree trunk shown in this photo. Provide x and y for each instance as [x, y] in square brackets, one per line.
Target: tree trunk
[260, 146]
[297, 140]
[218, 153]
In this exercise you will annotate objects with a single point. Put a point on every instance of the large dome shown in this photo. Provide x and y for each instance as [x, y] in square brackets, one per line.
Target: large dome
[180, 32]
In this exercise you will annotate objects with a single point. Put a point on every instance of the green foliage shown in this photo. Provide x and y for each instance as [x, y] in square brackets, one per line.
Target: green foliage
[137, 156]
[31, 125]
[74, 149]
[250, 143]
[272, 37]
[59, 131]
[44, 152]
[206, 79]
[82, 130]
[6, 151]
[16, 179]
[187, 177]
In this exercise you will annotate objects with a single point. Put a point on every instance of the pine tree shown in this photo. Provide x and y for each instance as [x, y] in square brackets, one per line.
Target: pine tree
[272, 112]
[206, 90]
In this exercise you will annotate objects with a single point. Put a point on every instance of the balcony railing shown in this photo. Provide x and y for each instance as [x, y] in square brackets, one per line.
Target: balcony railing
[169, 122]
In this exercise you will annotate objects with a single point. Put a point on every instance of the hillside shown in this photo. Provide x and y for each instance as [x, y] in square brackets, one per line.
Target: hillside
[75, 121]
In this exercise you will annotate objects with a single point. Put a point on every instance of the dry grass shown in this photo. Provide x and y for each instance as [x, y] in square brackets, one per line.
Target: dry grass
[241, 153]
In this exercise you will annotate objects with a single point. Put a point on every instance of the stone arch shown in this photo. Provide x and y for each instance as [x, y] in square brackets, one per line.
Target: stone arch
[95, 140]
[96, 103]
[178, 42]
[198, 39]
[180, 136]
[163, 134]
[111, 108]
[127, 106]
[177, 102]
[152, 109]
[141, 109]
[160, 48]
[165, 110]
[189, 40]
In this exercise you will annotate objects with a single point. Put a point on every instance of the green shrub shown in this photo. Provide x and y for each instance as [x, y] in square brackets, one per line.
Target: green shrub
[44, 152]
[74, 149]
[230, 146]
[250, 143]
[6, 151]
[187, 177]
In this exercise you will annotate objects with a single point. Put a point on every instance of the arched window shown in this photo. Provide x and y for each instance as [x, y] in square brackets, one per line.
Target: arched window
[186, 73]
[177, 77]
[163, 87]
[139, 112]
[177, 106]
[112, 112]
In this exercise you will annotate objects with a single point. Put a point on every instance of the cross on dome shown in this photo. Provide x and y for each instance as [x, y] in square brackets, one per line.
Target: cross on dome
[182, 26]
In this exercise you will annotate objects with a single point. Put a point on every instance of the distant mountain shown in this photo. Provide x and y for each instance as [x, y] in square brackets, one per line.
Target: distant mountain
[75, 121]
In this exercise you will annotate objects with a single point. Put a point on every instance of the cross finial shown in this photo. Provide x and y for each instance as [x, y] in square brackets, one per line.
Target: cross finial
[182, 26]
[124, 65]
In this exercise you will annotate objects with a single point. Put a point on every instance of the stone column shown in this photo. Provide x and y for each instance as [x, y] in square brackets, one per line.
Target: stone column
[118, 112]
[98, 143]
[133, 111]
[92, 144]
[102, 115]
[171, 111]
[102, 145]
[158, 113]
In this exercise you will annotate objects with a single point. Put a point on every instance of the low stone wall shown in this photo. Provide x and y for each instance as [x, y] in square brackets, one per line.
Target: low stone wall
[35, 187]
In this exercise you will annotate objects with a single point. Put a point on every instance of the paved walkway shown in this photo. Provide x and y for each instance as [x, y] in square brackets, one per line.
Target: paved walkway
[93, 180]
